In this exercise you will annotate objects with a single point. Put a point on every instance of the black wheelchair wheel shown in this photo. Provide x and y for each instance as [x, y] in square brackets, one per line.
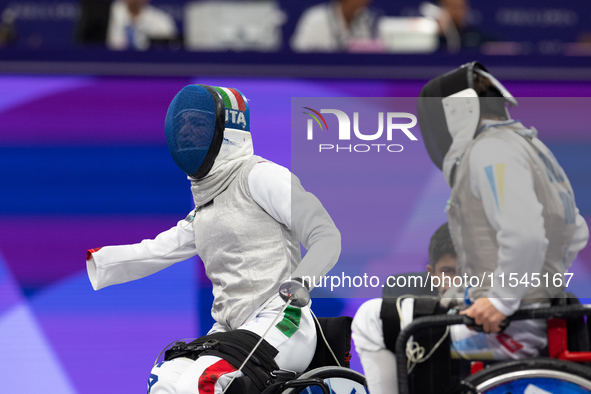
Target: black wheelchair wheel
[537, 375]
[340, 380]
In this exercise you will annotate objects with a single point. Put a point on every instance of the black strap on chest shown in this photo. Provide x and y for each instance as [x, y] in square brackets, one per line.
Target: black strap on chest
[390, 322]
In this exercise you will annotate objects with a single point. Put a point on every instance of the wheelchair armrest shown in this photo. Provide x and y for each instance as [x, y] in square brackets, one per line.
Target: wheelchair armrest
[558, 343]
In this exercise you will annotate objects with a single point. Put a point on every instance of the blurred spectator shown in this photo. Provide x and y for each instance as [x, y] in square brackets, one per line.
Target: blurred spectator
[124, 24]
[7, 30]
[134, 23]
[330, 27]
[456, 33]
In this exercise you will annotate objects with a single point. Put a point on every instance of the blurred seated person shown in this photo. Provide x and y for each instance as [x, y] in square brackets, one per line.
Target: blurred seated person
[124, 24]
[7, 29]
[330, 27]
[456, 33]
[134, 23]
[442, 264]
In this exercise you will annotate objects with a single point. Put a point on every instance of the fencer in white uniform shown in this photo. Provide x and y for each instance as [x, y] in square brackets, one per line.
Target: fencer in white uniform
[249, 220]
[326, 28]
[512, 217]
[133, 23]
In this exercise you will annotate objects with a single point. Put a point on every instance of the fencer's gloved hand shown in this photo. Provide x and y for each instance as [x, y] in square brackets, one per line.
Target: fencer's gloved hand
[297, 290]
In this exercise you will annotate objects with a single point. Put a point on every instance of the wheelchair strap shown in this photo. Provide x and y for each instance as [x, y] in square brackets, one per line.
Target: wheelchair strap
[234, 347]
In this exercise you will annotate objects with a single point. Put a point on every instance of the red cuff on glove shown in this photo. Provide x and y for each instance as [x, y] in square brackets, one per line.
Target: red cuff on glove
[89, 252]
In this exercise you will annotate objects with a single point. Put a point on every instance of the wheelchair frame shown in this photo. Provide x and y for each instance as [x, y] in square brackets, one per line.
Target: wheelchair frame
[289, 382]
[317, 376]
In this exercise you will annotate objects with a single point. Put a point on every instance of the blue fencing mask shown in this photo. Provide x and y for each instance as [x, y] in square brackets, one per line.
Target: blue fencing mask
[194, 127]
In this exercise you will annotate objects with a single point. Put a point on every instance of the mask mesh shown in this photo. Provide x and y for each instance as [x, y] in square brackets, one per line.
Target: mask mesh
[190, 126]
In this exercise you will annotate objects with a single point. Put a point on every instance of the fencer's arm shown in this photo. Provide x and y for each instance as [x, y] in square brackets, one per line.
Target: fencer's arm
[503, 181]
[112, 265]
[282, 196]
[317, 233]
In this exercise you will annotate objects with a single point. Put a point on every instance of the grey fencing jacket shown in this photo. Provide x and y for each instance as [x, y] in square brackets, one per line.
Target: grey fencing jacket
[249, 245]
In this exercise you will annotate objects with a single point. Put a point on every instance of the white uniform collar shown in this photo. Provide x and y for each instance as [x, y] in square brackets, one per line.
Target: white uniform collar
[486, 124]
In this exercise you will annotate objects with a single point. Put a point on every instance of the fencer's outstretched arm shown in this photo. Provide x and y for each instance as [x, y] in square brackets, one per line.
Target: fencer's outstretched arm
[282, 196]
[112, 265]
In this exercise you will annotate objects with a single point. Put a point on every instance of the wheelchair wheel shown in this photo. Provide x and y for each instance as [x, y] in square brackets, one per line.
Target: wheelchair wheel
[533, 376]
[340, 380]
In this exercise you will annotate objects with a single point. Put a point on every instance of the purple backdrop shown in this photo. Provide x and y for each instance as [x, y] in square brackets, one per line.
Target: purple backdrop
[85, 164]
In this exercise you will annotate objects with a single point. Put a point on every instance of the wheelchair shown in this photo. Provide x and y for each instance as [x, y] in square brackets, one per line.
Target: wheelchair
[563, 371]
[328, 373]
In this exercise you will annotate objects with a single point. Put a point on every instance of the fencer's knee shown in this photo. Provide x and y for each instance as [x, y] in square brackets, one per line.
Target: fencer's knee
[203, 375]
[188, 384]
[165, 375]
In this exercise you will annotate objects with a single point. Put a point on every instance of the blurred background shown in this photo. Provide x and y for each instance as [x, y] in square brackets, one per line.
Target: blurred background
[85, 85]
[306, 38]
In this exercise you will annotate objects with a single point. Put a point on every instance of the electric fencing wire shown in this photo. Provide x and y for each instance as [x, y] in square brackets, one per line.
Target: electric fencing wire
[258, 343]
[324, 338]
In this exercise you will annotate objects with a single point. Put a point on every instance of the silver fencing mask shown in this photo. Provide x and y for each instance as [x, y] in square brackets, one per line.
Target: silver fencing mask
[451, 106]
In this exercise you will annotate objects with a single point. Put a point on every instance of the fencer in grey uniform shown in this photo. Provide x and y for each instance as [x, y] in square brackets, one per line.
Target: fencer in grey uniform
[512, 217]
[249, 219]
